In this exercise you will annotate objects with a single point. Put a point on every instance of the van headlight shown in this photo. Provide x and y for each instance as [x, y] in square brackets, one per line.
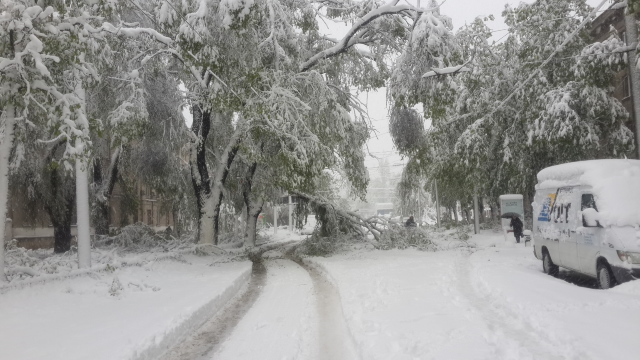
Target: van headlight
[629, 257]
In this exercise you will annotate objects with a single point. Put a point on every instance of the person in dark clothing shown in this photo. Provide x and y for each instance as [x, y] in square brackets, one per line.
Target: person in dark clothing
[516, 225]
[410, 222]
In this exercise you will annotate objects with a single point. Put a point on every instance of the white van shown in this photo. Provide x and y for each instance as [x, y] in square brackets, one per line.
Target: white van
[586, 218]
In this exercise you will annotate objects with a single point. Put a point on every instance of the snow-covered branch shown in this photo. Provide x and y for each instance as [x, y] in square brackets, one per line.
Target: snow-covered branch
[351, 38]
[451, 70]
[353, 218]
[136, 33]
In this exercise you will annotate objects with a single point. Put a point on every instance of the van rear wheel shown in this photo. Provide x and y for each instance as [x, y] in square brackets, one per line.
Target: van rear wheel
[548, 266]
[606, 280]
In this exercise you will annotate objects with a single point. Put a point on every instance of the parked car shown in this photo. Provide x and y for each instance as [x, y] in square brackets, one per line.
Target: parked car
[587, 218]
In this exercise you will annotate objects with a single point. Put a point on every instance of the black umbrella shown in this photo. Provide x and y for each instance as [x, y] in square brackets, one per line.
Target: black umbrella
[509, 215]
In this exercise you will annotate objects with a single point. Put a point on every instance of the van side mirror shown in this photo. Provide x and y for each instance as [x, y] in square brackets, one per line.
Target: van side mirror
[590, 217]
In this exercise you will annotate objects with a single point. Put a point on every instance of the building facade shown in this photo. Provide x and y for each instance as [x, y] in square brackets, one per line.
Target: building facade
[601, 28]
[30, 225]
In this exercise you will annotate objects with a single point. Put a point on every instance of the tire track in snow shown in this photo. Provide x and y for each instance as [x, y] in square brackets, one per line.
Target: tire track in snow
[513, 335]
[334, 337]
[333, 342]
[213, 333]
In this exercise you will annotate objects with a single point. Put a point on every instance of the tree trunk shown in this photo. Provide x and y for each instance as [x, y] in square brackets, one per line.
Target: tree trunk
[253, 207]
[206, 222]
[100, 208]
[101, 218]
[455, 212]
[60, 206]
[217, 193]
[208, 197]
[216, 199]
[177, 225]
[212, 203]
[5, 152]
[253, 212]
[62, 236]
[528, 211]
[200, 174]
[104, 186]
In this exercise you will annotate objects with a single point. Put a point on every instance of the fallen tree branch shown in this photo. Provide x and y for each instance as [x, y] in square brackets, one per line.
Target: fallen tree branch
[255, 254]
[357, 222]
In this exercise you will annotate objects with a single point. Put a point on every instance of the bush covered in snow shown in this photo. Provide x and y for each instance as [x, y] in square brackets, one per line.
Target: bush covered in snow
[462, 232]
[133, 245]
[22, 263]
[141, 237]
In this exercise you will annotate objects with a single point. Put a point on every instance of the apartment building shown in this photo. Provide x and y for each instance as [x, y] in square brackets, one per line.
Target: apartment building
[601, 28]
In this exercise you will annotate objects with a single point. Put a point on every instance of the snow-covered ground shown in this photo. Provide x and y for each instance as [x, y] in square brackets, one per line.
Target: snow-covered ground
[91, 317]
[488, 300]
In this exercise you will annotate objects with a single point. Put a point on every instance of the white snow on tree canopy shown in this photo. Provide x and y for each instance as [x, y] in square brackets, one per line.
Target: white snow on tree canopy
[615, 184]
[234, 8]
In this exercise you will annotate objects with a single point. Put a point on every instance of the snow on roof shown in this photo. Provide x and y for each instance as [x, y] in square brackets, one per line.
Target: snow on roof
[511, 197]
[615, 184]
[573, 172]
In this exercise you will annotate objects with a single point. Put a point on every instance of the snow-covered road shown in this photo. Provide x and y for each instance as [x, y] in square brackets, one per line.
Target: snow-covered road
[214, 331]
[487, 302]
[297, 316]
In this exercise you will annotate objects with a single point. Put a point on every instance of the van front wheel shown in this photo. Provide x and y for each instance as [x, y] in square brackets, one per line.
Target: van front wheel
[548, 266]
[605, 276]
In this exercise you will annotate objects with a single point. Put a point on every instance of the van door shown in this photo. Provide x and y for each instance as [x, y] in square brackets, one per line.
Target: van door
[565, 217]
[588, 241]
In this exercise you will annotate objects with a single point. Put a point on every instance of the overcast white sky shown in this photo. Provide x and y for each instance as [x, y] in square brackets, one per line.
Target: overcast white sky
[461, 12]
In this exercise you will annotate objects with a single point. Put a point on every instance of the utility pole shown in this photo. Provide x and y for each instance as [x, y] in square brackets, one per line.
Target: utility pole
[476, 218]
[290, 213]
[632, 40]
[437, 204]
[275, 218]
[418, 222]
[82, 184]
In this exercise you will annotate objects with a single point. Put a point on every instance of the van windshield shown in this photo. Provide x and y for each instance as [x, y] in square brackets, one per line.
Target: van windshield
[588, 202]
